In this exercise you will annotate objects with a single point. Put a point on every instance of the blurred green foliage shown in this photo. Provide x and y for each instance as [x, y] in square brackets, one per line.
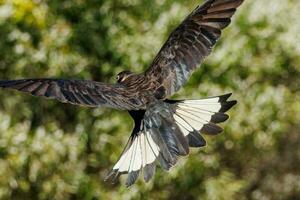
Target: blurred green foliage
[50, 150]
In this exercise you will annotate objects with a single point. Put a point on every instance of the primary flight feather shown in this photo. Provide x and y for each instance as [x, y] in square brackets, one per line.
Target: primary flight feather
[164, 129]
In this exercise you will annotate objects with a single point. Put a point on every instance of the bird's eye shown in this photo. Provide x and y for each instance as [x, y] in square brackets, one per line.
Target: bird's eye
[118, 77]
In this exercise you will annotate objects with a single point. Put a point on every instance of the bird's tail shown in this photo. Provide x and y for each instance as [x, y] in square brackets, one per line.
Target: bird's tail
[165, 131]
[201, 116]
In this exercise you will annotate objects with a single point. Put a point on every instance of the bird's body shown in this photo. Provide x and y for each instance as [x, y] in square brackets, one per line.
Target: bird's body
[164, 129]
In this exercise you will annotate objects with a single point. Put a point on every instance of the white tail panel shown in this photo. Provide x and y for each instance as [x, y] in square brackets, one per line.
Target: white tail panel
[201, 115]
[141, 152]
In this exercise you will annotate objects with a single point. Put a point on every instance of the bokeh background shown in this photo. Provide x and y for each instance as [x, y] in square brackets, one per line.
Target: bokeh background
[50, 150]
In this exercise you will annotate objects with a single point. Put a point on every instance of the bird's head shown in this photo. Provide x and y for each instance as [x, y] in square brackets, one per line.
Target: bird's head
[122, 76]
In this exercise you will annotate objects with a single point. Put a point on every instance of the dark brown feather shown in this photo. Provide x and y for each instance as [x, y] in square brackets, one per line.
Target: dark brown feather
[189, 44]
[78, 92]
[186, 48]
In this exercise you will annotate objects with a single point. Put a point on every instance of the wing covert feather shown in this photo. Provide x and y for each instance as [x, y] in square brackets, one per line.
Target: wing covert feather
[78, 92]
[190, 43]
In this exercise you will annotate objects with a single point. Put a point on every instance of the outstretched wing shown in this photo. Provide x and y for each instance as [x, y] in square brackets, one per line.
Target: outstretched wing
[189, 44]
[78, 92]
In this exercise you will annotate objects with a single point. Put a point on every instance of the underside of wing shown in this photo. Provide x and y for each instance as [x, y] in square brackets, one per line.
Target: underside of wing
[190, 43]
[78, 92]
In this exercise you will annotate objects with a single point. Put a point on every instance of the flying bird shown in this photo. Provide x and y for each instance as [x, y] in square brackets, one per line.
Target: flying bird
[164, 129]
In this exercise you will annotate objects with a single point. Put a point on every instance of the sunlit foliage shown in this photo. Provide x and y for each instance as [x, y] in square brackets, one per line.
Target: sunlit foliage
[50, 150]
